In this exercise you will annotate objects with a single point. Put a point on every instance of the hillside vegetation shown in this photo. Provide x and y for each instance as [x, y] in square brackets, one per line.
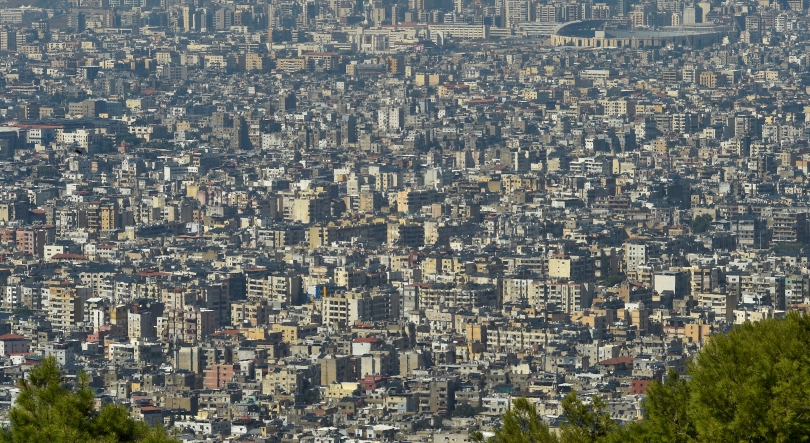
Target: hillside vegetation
[49, 410]
[750, 385]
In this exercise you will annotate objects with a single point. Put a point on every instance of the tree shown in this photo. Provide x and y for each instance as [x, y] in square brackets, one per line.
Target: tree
[749, 385]
[520, 424]
[753, 383]
[106, 146]
[667, 419]
[700, 223]
[585, 423]
[310, 396]
[784, 248]
[465, 410]
[613, 280]
[128, 138]
[48, 409]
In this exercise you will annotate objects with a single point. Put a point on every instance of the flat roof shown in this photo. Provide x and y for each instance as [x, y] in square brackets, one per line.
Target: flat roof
[588, 29]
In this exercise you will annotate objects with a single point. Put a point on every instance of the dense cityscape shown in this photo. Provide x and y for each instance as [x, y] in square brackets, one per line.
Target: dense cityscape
[345, 221]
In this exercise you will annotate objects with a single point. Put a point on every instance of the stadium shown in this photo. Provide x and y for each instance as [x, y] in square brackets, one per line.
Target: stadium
[592, 34]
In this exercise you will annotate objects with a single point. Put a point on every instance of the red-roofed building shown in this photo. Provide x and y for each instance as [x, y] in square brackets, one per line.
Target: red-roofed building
[364, 345]
[371, 382]
[372, 340]
[71, 257]
[14, 344]
[621, 363]
[617, 360]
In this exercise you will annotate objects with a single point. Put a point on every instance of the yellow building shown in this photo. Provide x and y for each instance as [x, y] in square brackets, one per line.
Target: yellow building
[425, 79]
[444, 265]
[252, 312]
[375, 230]
[291, 64]
[66, 303]
[394, 65]
[559, 268]
[251, 62]
[475, 333]
[338, 391]
[697, 333]
[708, 79]
[291, 333]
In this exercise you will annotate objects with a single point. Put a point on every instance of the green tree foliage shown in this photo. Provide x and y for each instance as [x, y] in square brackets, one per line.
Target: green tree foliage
[783, 248]
[750, 385]
[613, 280]
[582, 424]
[667, 419]
[129, 138]
[520, 424]
[48, 410]
[585, 423]
[310, 396]
[465, 410]
[106, 146]
[700, 223]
